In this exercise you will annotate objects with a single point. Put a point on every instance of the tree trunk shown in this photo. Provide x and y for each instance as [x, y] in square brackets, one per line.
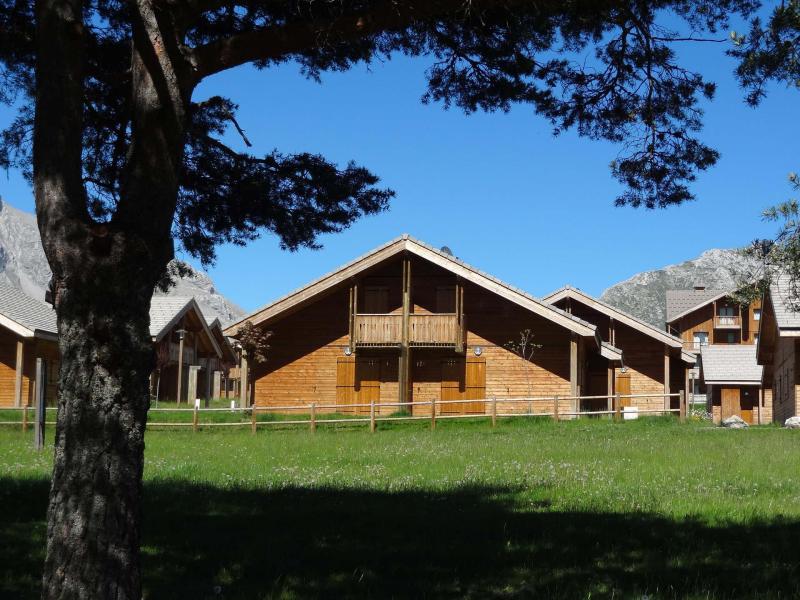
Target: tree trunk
[93, 518]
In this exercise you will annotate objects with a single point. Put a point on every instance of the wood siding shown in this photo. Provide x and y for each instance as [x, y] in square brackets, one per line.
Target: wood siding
[33, 348]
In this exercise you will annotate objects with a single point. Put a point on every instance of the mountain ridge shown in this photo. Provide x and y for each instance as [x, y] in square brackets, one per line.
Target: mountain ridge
[24, 266]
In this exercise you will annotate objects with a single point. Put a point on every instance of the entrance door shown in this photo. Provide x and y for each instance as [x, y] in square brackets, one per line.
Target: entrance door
[345, 383]
[729, 401]
[624, 388]
[368, 383]
[476, 385]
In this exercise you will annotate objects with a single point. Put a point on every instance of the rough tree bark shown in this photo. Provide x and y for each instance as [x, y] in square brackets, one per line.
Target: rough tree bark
[104, 275]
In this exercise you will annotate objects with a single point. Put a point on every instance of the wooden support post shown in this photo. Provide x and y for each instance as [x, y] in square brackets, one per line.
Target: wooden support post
[433, 413]
[372, 415]
[494, 412]
[313, 424]
[19, 368]
[682, 406]
[253, 423]
[40, 387]
[195, 418]
[181, 337]
[617, 407]
[555, 408]
[25, 418]
[244, 382]
[760, 402]
[574, 385]
[610, 389]
[404, 362]
[667, 404]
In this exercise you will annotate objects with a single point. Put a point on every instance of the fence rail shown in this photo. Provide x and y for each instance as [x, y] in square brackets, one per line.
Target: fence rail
[492, 410]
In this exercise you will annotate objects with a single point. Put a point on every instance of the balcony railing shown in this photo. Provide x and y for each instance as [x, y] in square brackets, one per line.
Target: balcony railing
[423, 330]
[727, 322]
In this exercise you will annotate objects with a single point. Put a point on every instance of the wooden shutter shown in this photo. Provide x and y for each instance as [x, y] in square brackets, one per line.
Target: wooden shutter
[345, 383]
[624, 388]
[452, 385]
[476, 385]
[368, 383]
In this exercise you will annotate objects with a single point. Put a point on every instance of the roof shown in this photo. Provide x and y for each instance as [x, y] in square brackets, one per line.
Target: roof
[166, 312]
[570, 292]
[610, 352]
[406, 243]
[787, 309]
[26, 316]
[682, 302]
[730, 363]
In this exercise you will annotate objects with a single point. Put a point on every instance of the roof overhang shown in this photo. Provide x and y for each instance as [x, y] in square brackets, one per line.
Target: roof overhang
[191, 305]
[16, 327]
[301, 297]
[614, 313]
[610, 352]
[688, 357]
[756, 382]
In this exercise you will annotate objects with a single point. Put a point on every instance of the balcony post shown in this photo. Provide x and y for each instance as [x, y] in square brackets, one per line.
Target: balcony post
[667, 405]
[574, 387]
[403, 372]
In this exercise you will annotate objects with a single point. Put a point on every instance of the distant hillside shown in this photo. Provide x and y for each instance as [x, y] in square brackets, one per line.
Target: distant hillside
[23, 265]
[644, 295]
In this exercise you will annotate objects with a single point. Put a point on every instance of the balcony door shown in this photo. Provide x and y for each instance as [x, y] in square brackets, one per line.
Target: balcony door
[376, 300]
[726, 315]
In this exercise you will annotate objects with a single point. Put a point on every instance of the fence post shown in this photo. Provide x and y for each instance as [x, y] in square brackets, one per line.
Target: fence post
[372, 415]
[24, 418]
[313, 417]
[195, 419]
[433, 413]
[40, 396]
[682, 406]
[555, 408]
[494, 412]
[617, 407]
[253, 418]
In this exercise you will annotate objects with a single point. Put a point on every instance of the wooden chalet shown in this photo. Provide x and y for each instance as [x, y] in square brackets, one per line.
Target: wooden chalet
[778, 350]
[187, 351]
[27, 331]
[653, 361]
[407, 322]
[220, 367]
[722, 334]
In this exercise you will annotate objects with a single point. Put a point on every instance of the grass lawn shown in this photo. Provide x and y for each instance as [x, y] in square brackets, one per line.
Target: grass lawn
[582, 509]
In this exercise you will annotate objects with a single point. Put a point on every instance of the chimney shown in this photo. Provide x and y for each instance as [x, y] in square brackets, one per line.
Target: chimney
[699, 288]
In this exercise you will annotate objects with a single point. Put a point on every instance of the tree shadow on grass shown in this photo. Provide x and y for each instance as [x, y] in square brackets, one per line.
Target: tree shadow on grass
[205, 542]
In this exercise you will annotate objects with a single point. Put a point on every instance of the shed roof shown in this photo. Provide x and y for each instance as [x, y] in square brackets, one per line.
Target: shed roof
[166, 312]
[682, 302]
[787, 309]
[26, 316]
[406, 243]
[730, 363]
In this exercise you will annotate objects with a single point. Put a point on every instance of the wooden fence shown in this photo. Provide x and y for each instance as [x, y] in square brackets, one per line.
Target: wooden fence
[493, 409]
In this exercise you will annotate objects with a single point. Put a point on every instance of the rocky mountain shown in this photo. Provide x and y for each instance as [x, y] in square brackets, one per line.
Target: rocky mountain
[23, 265]
[644, 295]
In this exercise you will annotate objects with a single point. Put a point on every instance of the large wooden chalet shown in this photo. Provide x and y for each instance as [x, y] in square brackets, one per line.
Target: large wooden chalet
[407, 322]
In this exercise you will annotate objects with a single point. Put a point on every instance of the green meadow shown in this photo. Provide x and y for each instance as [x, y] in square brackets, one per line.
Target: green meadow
[532, 508]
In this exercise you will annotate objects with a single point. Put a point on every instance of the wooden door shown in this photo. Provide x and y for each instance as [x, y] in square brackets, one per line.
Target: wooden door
[368, 383]
[475, 388]
[452, 386]
[729, 403]
[624, 388]
[345, 383]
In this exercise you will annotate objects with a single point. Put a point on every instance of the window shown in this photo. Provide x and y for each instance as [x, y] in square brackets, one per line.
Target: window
[756, 314]
[700, 339]
[726, 315]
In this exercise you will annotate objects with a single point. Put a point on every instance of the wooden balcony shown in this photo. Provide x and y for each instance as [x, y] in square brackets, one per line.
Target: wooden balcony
[727, 322]
[428, 330]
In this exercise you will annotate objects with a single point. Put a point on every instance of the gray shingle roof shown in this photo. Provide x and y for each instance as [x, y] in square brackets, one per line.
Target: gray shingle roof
[681, 301]
[164, 310]
[787, 311]
[731, 363]
[27, 312]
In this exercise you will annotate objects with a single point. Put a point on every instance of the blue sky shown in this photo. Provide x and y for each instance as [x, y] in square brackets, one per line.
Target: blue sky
[498, 189]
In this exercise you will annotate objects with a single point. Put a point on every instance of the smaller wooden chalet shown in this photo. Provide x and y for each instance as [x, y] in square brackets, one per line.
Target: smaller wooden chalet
[27, 331]
[406, 323]
[219, 367]
[778, 350]
[653, 361]
[186, 350]
[732, 379]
